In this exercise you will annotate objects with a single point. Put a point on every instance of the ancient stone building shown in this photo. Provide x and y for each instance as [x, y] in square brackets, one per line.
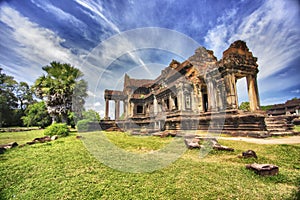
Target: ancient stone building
[186, 94]
[290, 107]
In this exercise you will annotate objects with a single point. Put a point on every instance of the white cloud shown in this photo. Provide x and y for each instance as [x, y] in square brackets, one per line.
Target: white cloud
[36, 44]
[296, 91]
[63, 16]
[271, 33]
[96, 7]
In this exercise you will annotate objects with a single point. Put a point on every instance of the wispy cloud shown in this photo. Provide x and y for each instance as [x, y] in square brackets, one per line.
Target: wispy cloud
[64, 17]
[96, 8]
[272, 32]
[36, 45]
[296, 91]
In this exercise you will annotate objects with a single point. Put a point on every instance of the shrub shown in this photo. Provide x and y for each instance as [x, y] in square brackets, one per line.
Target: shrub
[57, 129]
[83, 125]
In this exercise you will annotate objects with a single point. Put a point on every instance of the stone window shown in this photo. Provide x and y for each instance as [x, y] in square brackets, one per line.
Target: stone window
[139, 109]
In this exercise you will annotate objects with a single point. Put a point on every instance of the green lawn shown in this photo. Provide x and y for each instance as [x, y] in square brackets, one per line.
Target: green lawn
[64, 169]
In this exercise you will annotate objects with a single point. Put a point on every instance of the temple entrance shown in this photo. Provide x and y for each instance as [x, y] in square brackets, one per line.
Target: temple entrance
[241, 87]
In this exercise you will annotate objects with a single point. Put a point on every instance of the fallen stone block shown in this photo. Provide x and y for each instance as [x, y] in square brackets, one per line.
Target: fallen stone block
[222, 148]
[2, 150]
[249, 154]
[42, 139]
[264, 169]
[54, 137]
[192, 143]
[31, 142]
[9, 145]
[78, 136]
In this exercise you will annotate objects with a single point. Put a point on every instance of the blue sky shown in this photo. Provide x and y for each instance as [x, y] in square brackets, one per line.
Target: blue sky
[35, 32]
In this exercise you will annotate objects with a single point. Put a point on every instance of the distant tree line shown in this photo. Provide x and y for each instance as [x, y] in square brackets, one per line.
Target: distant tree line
[56, 96]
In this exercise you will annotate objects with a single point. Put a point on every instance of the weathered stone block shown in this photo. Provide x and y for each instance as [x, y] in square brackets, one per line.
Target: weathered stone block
[264, 169]
[249, 154]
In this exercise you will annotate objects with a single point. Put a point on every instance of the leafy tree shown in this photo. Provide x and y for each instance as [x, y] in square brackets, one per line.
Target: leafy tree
[78, 100]
[57, 89]
[8, 99]
[265, 108]
[36, 115]
[91, 115]
[24, 95]
[245, 106]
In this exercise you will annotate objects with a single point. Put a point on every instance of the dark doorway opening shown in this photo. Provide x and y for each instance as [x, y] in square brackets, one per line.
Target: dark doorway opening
[139, 109]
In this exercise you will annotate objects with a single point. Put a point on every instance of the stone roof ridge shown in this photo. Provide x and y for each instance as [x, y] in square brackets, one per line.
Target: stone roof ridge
[202, 55]
[130, 82]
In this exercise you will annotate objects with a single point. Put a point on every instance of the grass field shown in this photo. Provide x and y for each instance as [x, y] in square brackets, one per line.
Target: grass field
[64, 169]
[297, 128]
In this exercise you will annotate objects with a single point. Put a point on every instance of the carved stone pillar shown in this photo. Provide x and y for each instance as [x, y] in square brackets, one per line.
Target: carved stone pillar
[171, 103]
[106, 109]
[253, 93]
[155, 106]
[200, 99]
[211, 94]
[117, 109]
[125, 109]
[231, 94]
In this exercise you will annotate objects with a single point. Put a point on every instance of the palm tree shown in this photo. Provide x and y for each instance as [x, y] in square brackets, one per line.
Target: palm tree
[57, 88]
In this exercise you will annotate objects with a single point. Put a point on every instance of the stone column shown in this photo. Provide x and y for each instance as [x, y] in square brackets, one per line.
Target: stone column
[106, 109]
[155, 105]
[180, 100]
[211, 94]
[171, 103]
[125, 109]
[200, 99]
[131, 109]
[117, 109]
[231, 95]
[253, 93]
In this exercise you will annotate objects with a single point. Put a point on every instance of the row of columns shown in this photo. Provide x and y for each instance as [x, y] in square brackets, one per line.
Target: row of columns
[231, 92]
[189, 98]
[117, 109]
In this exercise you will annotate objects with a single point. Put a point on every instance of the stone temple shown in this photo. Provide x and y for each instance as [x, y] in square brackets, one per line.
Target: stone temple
[197, 94]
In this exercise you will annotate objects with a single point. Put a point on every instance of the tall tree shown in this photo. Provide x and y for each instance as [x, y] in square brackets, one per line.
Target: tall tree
[57, 88]
[24, 95]
[8, 99]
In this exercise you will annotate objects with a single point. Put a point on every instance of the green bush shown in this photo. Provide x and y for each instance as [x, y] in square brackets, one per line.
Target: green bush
[57, 129]
[83, 125]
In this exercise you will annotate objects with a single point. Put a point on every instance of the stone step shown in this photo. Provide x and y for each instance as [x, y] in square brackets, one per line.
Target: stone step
[283, 133]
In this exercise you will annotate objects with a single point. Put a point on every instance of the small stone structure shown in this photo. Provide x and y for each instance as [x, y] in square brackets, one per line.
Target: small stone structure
[290, 107]
[198, 142]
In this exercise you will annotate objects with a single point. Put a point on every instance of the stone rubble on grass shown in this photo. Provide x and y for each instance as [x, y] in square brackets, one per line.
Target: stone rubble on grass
[264, 169]
[42, 139]
[193, 143]
[248, 154]
[54, 137]
[7, 146]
